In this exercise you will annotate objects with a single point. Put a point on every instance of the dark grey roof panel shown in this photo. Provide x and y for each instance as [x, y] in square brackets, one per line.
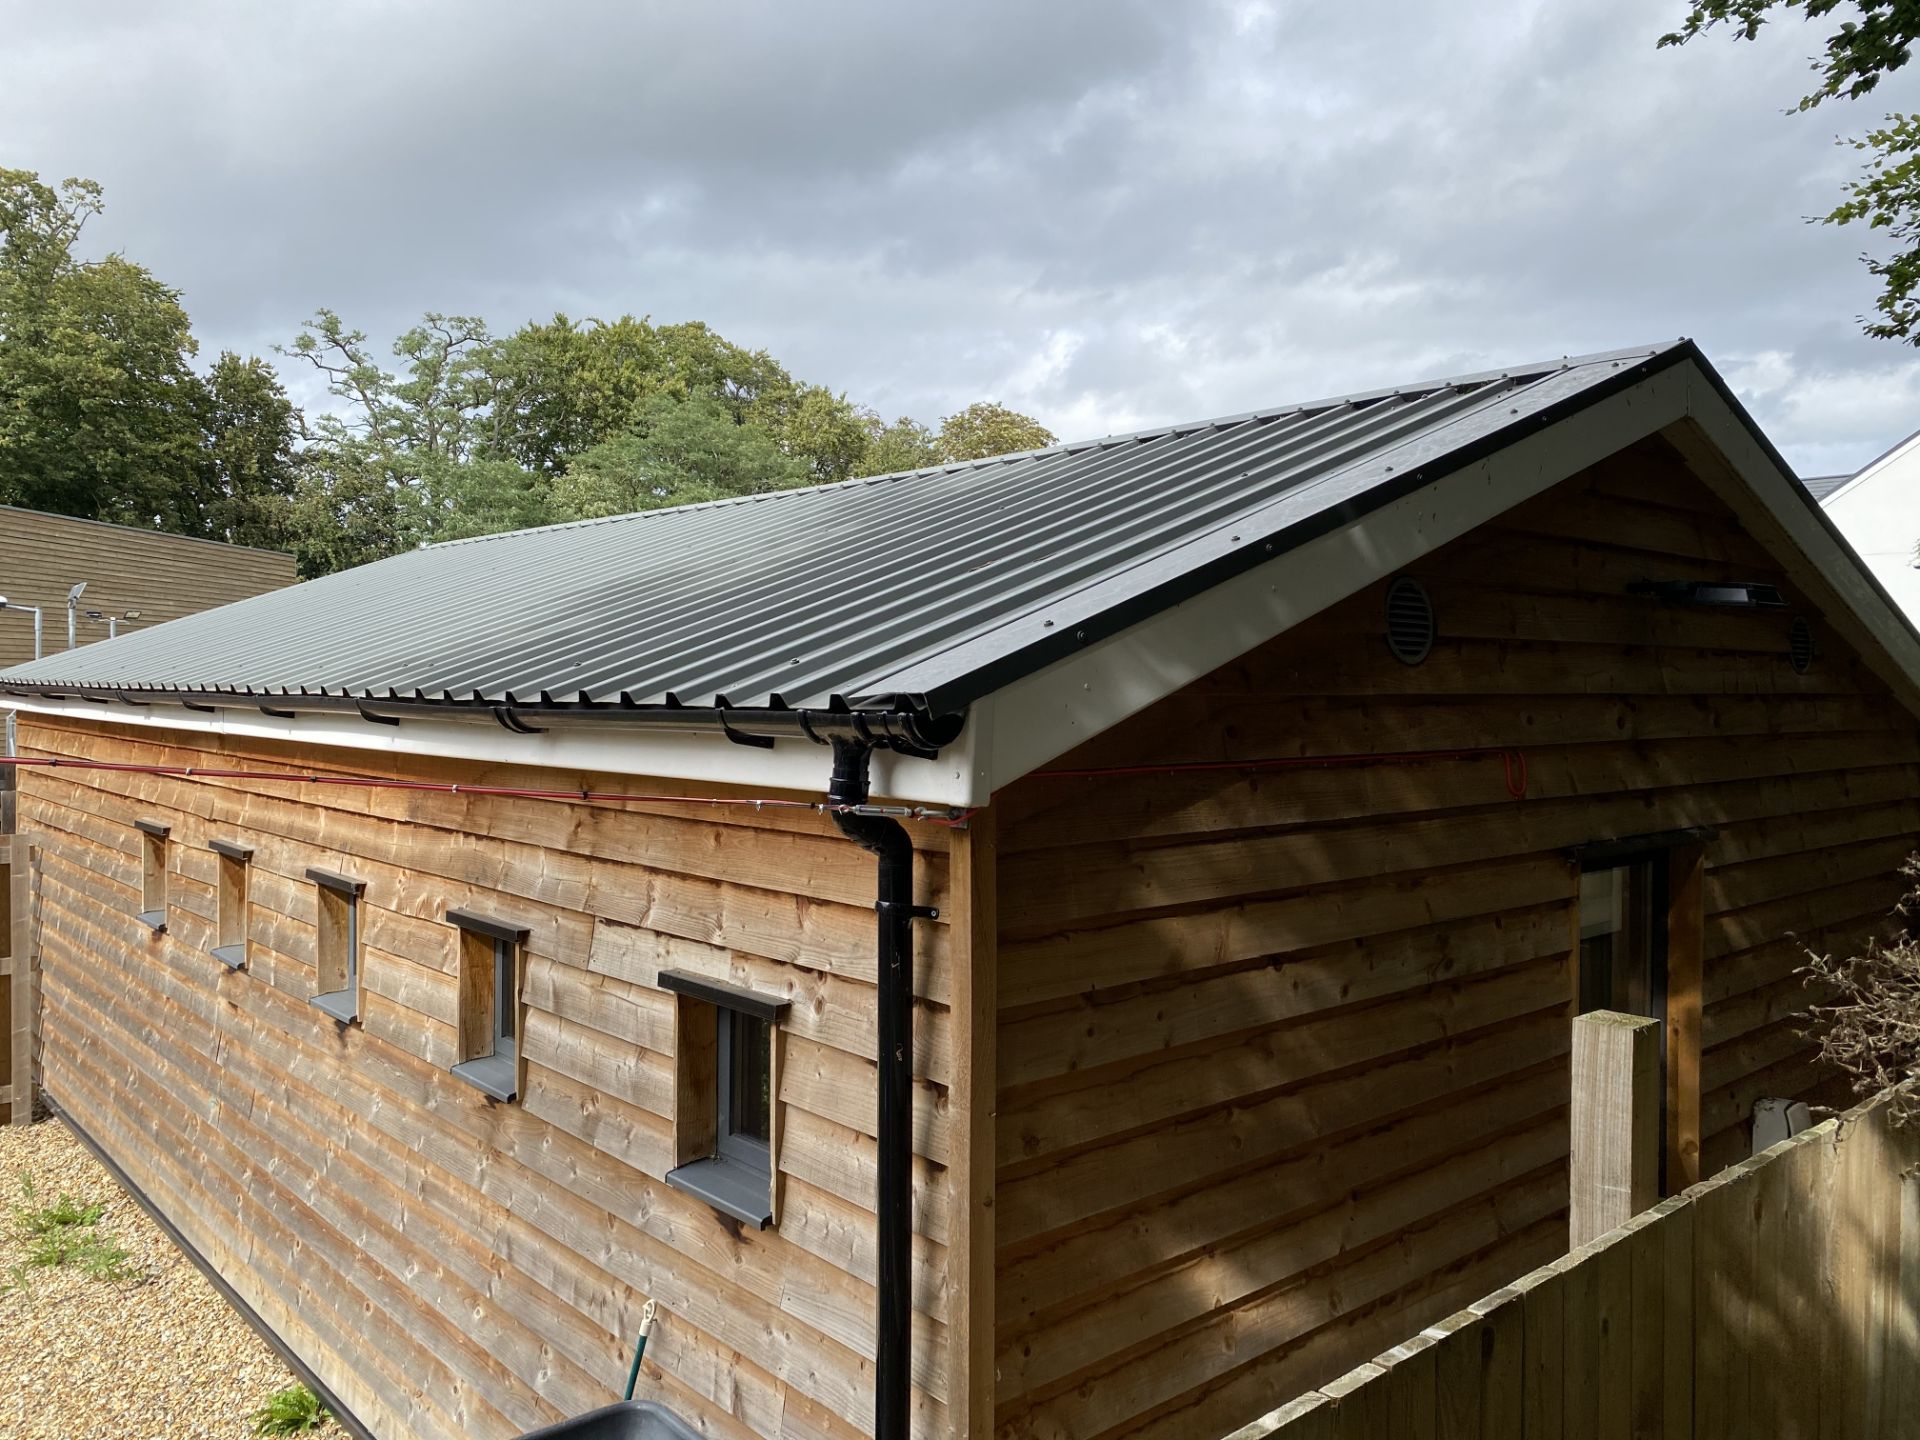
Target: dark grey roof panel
[939, 584]
[1821, 486]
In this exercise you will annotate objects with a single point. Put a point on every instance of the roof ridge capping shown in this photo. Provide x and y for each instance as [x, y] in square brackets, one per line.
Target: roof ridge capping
[1525, 373]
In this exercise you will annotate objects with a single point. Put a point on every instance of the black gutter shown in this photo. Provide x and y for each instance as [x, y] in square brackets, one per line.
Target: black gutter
[888, 840]
[347, 1419]
[913, 730]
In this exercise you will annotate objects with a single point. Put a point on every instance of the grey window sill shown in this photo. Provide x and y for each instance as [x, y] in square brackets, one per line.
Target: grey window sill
[491, 1074]
[339, 1004]
[234, 957]
[729, 1187]
[154, 920]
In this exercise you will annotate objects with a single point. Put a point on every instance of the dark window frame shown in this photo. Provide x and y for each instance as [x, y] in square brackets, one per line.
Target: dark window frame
[234, 879]
[343, 1001]
[496, 1072]
[156, 859]
[722, 1163]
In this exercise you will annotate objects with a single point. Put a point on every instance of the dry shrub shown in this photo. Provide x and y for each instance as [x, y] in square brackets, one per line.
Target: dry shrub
[1870, 1027]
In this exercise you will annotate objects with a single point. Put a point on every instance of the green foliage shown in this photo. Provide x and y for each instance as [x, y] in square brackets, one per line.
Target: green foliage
[291, 1411]
[351, 505]
[1875, 39]
[985, 429]
[98, 405]
[825, 431]
[66, 1213]
[676, 452]
[64, 1234]
[460, 433]
[906, 444]
[482, 497]
[251, 468]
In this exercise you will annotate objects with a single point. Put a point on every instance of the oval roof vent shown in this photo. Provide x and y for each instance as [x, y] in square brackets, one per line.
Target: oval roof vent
[1409, 620]
[1800, 645]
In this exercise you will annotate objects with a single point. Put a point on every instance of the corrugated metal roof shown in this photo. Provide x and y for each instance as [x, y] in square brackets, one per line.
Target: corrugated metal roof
[1821, 486]
[935, 586]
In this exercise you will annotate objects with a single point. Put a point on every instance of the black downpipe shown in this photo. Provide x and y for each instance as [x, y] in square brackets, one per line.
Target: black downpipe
[888, 839]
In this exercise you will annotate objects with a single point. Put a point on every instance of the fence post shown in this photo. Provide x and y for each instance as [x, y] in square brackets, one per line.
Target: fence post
[1615, 1162]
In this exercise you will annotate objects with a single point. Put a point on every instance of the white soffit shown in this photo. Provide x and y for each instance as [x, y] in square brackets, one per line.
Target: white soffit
[794, 767]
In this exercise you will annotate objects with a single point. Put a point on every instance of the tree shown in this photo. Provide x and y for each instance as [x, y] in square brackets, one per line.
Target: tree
[906, 444]
[250, 428]
[984, 429]
[563, 386]
[99, 407]
[1874, 40]
[675, 453]
[350, 507]
[826, 431]
[482, 497]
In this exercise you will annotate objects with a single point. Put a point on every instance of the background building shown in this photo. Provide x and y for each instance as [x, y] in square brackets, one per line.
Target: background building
[1878, 510]
[161, 577]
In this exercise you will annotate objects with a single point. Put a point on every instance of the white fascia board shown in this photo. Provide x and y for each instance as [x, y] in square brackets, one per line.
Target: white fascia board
[789, 767]
[1046, 714]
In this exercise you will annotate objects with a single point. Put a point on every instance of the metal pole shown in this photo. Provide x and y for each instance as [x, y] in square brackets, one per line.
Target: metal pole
[36, 630]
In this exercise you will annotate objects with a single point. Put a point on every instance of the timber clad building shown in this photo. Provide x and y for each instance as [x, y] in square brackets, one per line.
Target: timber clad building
[1247, 806]
[157, 577]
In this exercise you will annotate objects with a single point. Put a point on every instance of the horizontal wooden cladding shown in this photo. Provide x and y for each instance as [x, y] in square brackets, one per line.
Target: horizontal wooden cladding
[1175, 1082]
[1123, 878]
[669, 911]
[708, 1278]
[1268, 1037]
[1189, 1382]
[1034, 1362]
[1653, 743]
[1056, 1193]
[513, 1243]
[162, 576]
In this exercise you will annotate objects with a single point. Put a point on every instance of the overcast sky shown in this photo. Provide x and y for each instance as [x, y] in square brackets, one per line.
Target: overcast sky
[1106, 214]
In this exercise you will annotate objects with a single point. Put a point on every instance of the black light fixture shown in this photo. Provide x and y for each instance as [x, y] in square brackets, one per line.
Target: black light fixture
[1735, 594]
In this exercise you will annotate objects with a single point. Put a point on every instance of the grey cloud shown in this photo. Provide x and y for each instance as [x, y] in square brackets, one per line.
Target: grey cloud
[1110, 214]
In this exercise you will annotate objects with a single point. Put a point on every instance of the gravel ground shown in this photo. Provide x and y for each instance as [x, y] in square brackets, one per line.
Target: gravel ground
[159, 1358]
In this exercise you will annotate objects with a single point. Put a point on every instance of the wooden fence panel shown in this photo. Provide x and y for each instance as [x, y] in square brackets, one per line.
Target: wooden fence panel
[1781, 1297]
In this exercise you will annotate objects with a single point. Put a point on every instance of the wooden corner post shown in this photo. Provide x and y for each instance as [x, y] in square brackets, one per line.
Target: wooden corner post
[22, 1024]
[1615, 1165]
[972, 890]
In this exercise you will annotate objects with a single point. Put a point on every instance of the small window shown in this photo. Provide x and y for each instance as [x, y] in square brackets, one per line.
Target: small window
[337, 944]
[230, 904]
[153, 874]
[1623, 960]
[725, 1082]
[1641, 940]
[489, 1003]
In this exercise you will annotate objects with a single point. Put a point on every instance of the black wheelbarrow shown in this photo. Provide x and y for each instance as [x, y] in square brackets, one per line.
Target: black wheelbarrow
[628, 1420]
